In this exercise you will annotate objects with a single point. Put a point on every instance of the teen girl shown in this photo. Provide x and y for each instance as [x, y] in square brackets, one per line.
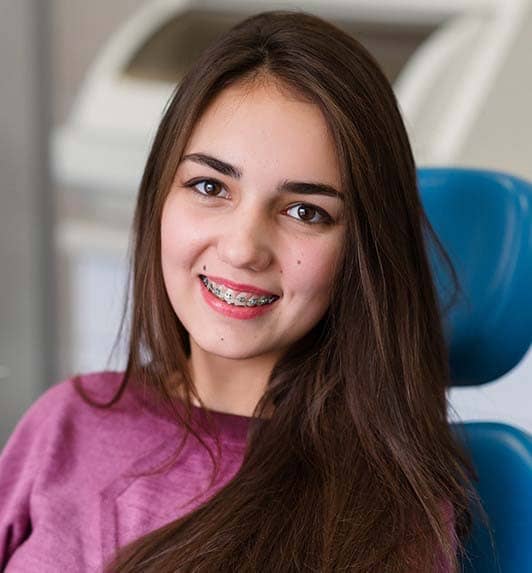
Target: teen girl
[283, 407]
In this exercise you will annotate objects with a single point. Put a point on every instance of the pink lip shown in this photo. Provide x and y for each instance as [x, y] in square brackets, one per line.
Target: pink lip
[241, 312]
[239, 287]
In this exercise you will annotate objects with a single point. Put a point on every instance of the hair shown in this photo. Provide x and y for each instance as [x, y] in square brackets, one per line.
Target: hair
[359, 403]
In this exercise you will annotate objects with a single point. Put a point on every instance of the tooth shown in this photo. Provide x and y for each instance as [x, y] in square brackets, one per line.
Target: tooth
[240, 299]
[229, 295]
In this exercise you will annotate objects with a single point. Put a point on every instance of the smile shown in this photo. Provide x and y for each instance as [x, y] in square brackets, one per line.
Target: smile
[232, 297]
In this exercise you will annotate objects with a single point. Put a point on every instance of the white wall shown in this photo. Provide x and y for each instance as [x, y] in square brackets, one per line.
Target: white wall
[501, 137]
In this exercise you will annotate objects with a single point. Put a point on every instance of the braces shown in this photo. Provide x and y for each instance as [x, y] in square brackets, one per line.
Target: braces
[240, 300]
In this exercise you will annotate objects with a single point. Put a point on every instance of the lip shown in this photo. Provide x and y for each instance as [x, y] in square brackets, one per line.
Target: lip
[239, 286]
[239, 312]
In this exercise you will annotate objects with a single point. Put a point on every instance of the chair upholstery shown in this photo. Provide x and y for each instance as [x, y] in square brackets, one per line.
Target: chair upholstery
[484, 221]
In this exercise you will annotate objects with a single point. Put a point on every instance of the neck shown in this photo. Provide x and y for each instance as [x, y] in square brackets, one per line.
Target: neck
[229, 385]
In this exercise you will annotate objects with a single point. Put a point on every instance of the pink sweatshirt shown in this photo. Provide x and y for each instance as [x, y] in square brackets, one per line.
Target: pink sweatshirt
[68, 494]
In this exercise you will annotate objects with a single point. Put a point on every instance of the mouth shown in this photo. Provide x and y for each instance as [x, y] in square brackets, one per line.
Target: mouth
[251, 297]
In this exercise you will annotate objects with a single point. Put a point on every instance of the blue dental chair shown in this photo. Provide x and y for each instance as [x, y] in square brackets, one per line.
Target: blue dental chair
[484, 221]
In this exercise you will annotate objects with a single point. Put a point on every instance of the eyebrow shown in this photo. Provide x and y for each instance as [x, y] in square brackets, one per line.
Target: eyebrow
[286, 186]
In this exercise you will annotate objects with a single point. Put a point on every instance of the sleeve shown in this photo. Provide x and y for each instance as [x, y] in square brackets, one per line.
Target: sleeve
[20, 461]
[441, 563]
[448, 510]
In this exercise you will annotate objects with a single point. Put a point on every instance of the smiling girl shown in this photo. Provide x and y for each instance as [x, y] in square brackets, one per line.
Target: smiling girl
[283, 406]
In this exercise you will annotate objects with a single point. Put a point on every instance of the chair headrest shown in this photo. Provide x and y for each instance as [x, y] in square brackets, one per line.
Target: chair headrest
[484, 221]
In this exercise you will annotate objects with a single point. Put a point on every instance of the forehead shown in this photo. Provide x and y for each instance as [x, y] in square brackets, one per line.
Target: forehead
[262, 125]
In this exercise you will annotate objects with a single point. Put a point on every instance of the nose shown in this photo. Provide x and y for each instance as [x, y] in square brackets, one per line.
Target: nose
[245, 241]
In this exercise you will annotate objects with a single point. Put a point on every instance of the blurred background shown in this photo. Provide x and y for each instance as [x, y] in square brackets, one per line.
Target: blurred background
[83, 86]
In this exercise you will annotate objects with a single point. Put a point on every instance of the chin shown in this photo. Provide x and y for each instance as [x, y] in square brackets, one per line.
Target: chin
[231, 350]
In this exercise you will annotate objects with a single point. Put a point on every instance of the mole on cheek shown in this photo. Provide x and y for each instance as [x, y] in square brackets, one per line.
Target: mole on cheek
[204, 268]
[298, 262]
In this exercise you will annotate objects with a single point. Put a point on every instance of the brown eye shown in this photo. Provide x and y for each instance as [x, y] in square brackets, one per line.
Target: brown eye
[210, 187]
[310, 214]
[305, 213]
[207, 187]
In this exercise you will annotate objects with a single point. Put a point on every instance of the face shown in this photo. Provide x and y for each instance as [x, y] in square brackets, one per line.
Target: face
[255, 210]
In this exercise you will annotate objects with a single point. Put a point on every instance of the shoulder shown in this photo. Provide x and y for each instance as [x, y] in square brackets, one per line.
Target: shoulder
[67, 460]
[61, 415]
[61, 434]
[50, 433]
[64, 398]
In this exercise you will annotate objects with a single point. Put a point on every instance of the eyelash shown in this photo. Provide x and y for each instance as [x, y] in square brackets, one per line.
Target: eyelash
[326, 218]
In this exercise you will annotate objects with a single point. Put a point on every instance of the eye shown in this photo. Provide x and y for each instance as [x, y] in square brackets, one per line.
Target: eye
[206, 187]
[311, 214]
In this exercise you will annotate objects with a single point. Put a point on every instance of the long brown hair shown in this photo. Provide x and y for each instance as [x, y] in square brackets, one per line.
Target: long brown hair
[359, 429]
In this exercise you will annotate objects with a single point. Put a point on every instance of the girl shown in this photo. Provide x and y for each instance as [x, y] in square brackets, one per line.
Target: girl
[285, 334]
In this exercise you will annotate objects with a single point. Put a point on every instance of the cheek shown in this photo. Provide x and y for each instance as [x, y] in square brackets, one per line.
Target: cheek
[180, 238]
[308, 271]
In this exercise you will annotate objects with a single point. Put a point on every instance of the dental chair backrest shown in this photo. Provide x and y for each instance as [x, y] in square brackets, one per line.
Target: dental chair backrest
[484, 221]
